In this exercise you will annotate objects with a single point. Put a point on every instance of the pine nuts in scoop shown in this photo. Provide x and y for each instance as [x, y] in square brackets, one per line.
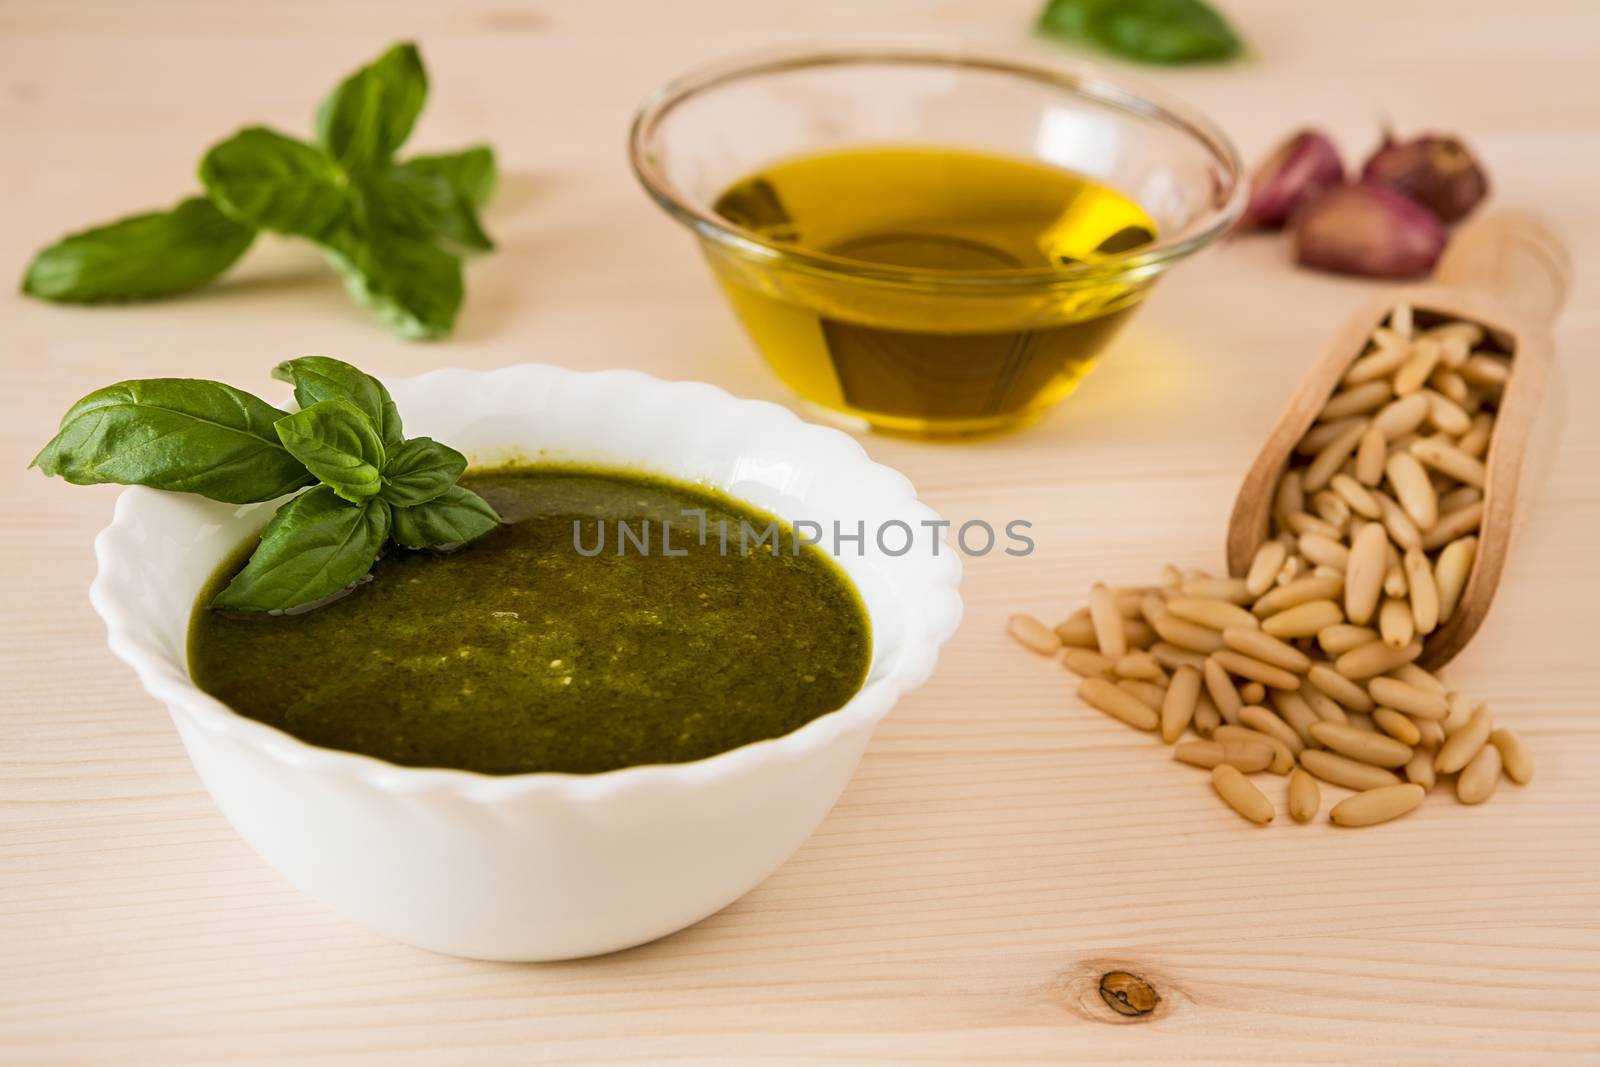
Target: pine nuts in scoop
[1306, 664]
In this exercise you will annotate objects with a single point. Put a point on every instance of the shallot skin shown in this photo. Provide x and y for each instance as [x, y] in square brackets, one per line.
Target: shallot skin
[1367, 229]
[1437, 171]
[1297, 172]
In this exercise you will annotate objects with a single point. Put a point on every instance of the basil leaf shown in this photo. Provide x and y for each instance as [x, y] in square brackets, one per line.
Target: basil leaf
[453, 518]
[371, 113]
[413, 286]
[315, 546]
[471, 172]
[143, 257]
[183, 434]
[420, 471]
[338, 444]
[275, 182]
[1154, 31]
[421, 206]
[324, 378]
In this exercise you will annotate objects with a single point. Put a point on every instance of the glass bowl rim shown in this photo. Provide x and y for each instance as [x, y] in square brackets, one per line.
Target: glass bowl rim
[1081, 81]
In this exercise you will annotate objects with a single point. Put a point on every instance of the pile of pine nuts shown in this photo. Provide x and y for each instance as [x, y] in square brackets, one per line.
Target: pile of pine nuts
[1304, 666]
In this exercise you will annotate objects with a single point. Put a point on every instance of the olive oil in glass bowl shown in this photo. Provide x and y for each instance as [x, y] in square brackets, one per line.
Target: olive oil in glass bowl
[926, 242]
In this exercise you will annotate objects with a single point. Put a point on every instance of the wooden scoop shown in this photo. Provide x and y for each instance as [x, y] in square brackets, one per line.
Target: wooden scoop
[1508, 273]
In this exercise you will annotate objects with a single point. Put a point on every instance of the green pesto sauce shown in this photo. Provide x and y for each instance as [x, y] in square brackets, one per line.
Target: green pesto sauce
[520, 654]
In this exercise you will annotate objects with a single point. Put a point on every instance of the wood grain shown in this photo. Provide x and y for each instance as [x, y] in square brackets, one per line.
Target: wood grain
[1002, 847]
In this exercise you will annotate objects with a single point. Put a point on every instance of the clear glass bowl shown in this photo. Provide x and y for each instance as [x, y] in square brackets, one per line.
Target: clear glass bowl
[912, 349]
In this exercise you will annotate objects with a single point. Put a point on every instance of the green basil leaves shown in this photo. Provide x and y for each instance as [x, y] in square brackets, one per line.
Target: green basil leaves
[1152, 31]
[338, 445]
[145, 257]
[395, 229]
[182, 434]
[371, 483]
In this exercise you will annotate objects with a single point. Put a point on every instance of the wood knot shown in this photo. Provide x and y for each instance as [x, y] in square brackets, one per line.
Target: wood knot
[1128, 993]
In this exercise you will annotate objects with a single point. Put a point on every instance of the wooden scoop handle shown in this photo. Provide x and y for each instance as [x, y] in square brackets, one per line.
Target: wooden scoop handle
[1514, 258]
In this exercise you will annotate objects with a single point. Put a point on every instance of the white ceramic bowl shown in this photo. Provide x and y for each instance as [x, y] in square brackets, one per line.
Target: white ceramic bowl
[541, 866]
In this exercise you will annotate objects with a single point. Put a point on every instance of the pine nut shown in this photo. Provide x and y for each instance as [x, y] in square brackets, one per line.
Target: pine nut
[1189, 635]
[1305, 799]
[1415, 370]
[1107, 619]
[1458, 498]
[1355, 496]
[1431, 734]
[1455, 524]
[1483, 369]
[1327, 709]
[1445, 415]
[1172, 657]
[1264, 567]
[1117, 703]
[1477, 779]
[1450, 573]
[1420, 770]
[1223, 694]
[1215, 614]
[1408, 698]
[1344, 691]
[1290, 496]
[1381, 362]
[1394, 623]
[1343, 637]
[1376, 658]
[1232, 590]
[1304, 620]
[1397, 726]
[1394, 579]
[1446, 458]
[1237, 792]
[1344, 771]
[1356, 400]
[1300, 591]
[1401, 417]
[1371, 451]
[1515, 755]
[1282, 758]
[1301, 523]
[1247, 756]
[1255, 670]
[1331, 509]
[1412, 488]
[1087, 664]
[1411, 674]
[1424, 596]
[1077, 632]
[1177, 707]
[1031, 633]
[1267, 649]
[1460, 713]
[1364, 571]
[1324, 551]
[1396, 521]
[1206, 716]
[1366, 746]
[1295, 711]
[1459, 747]
[1326, 463]
[1262, 720]
[1378, 805]
[1475, 442]
[1402, 322]
[1252, 692]
[1147, 692]
[1140, 666]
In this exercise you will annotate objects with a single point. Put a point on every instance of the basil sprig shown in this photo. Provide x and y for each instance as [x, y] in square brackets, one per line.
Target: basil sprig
[394, 229]
[1152, 31]
[370, 483]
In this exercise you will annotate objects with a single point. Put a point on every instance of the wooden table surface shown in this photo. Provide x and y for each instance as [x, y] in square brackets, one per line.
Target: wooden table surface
[1001, 845]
